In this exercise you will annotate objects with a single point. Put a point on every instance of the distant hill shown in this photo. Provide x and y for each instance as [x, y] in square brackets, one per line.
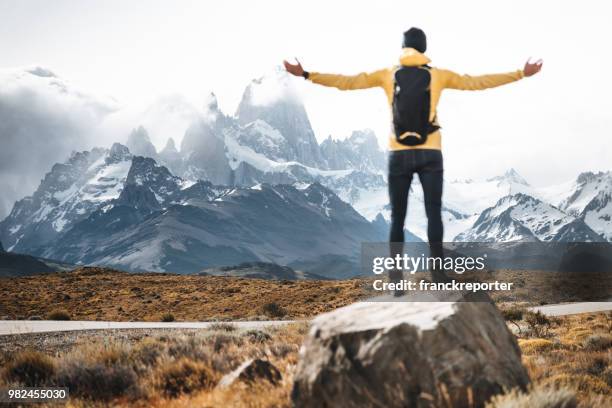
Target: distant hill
[260, 270]
[13, 265]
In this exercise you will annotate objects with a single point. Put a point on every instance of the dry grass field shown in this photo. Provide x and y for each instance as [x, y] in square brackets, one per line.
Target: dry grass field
[569, 358]
[106, 294]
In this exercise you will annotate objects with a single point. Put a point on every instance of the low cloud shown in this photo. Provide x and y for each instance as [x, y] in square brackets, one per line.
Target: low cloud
[273, 87]
[42, 120]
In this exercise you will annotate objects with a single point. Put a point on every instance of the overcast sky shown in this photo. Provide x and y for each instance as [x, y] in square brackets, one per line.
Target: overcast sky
[549, 127]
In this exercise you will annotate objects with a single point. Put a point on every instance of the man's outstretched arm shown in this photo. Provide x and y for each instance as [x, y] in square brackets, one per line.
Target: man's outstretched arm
[453, 80]
[343, 82]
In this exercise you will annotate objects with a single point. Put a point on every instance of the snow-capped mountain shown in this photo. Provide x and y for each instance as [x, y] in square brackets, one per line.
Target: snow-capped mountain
[590, 198]
[463, 201]
[111, 208]
[257, 186]
[43, 117]
[277, 224]
[520, 217]
[359, 151]
[270, 140]
[67, 194]
[273, 99]
[509, 178]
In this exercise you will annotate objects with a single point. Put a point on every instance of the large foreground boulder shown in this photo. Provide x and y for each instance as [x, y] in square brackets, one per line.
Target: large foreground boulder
[407, 354]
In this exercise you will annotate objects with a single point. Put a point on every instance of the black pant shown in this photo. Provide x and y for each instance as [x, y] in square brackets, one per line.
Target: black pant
[403, 164]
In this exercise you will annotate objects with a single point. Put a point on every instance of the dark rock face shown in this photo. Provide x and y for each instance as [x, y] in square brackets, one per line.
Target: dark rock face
[402, 354]
[203, 149]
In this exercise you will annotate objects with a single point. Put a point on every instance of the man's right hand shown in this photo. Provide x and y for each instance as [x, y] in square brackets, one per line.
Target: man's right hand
[532, 68]
[294, 69]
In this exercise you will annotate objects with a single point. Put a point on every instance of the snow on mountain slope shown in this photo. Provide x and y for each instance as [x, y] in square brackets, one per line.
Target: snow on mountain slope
[463, 201]
[358, 151]
[278, 224]
[520, 217]
[589, 197]
[67, 194]
[473, 196]
[89, 181]
[374, 202]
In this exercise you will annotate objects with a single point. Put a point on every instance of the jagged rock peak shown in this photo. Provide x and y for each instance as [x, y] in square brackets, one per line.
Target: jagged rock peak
[510, 176]
[170, 146]
[140, 144]
[118, 153]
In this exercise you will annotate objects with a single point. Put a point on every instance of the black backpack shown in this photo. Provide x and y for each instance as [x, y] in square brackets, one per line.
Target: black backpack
[411, 103]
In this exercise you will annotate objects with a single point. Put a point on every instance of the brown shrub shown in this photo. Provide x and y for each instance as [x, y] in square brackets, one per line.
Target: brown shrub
[30, 368]
[97, 381]
[513, 313]
[147, 352]
[538, 322]
[222, 341]
[257, 336]
[167, 317]
[194, 348]
[185, 377]
[598, 342]
[273, 309]
[58, 314]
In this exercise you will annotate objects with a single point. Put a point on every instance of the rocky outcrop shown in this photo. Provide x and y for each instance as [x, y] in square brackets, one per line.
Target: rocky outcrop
[401, 354]
[252, 371]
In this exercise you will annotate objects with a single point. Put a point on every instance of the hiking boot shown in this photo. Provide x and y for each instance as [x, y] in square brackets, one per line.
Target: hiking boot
[396, 276]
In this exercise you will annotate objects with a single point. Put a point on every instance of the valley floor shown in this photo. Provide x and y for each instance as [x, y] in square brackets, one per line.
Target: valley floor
[109, 295]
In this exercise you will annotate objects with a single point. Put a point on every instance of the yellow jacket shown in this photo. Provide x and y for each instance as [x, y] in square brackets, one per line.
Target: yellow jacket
[440, 79]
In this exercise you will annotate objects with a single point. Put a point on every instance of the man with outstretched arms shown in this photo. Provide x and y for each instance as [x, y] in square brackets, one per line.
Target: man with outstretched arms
[413, 89]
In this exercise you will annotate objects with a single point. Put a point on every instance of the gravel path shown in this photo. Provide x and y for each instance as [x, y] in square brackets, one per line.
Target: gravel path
[573, 308]
[12, 327]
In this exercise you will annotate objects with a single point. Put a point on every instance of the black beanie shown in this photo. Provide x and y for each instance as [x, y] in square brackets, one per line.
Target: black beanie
[415, 38]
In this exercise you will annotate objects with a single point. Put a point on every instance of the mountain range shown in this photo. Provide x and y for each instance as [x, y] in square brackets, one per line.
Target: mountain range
[257, 187]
